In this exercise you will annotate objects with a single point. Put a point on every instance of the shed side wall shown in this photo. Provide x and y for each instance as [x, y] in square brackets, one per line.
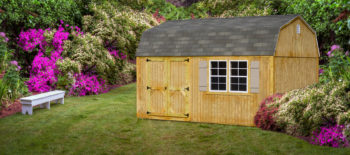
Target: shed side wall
[293, 73]
[215, 107]
[291, 44]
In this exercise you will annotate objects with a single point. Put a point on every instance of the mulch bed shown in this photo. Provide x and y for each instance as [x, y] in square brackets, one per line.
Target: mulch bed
[10, 110]
[17, 106]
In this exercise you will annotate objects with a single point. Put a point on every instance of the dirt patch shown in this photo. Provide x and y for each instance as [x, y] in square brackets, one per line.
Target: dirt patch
[14, 108]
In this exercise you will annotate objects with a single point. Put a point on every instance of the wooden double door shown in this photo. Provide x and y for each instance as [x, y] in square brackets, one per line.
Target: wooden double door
[168, 87]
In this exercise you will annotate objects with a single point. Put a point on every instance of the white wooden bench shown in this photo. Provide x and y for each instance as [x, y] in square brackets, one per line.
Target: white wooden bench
[43, 100]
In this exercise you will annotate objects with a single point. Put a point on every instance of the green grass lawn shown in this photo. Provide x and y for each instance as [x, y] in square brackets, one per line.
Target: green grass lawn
[107, 124]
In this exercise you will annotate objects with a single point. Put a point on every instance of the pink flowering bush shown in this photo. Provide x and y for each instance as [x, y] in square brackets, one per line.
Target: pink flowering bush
[43, 75]
[117, 54]
[87, 85]
[29, 40]
[66, 58]
[330, 136]
[264, 118]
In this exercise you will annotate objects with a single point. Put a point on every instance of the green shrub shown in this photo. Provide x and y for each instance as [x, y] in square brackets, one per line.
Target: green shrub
[3, 92]
[128, 74]
[228, 8]
[119, 27]
[17, 15]
[86, 54]
[14, 82]
[338, 67]
[3, 51]
[302, 111]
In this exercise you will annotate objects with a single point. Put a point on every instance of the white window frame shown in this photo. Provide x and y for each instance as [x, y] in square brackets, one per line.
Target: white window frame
[238, 76]
[217, 76]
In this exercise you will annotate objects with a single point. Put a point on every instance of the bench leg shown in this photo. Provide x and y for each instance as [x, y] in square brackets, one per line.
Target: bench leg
[27, 108]
[47, 105]
[62, 101]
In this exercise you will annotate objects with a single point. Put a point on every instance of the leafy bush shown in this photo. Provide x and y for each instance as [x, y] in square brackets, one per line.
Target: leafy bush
[264, 118]
[62, 54]
[18, 15]
[330, 136]
[3, 92]
[86, 54]
[43, 75]
[14, 82]
[228, 8]
[302, 111]
[3, 51]
[87, 85]
[119, 27]
[338, 67]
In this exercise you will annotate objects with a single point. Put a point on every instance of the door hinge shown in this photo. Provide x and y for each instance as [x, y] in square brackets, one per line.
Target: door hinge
[148, 112]
[148, 60]
[187, 115]
[148, 87]
[188, 59]
[165, 88]
[188, 88]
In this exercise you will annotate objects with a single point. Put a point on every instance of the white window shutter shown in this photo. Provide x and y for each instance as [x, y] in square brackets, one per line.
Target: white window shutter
[202, 74]
[254, 77]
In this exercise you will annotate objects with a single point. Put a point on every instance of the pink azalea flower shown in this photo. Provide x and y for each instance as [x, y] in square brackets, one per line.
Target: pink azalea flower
[2, 34]
[334, 47]
[329, 53]
[14, 63]
[321, 71]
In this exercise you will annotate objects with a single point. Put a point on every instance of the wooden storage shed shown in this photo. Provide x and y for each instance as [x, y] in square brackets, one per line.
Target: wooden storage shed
[219, 70]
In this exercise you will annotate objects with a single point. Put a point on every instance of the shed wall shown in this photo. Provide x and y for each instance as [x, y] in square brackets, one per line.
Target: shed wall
[292, 73]
[291, 44]
[213, 107]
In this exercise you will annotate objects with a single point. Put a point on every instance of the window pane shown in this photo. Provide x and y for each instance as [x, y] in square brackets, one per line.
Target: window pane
[222, 71]
[214, 79]
[214, 86]
[222, 64]
[234, 87]
[242, 87]
[234, 80]
[234, 72]
[214, 64]
[222, 80]
[234, 64]
[222, 87]
[243, 80]
[243, 72]
[242, 64]
[214, 71]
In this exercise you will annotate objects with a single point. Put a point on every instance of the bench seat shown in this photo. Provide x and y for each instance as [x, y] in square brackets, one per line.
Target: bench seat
[43, 100]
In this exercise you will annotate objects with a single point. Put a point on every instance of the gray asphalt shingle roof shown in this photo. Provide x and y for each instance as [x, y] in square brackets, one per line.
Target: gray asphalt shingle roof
[214, 37]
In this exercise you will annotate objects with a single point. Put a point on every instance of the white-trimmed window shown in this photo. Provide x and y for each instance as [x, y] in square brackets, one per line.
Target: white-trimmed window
[217, 75]
[238, 76]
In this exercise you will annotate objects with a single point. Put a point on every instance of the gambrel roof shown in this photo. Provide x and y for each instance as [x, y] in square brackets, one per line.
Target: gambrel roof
[256, 35]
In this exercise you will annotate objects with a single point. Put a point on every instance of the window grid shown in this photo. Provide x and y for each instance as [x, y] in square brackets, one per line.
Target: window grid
[238, 68]
[219, 77]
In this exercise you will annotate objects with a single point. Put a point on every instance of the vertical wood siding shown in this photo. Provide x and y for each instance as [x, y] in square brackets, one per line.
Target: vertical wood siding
[291, 44]
[204, 106]
[293, 73]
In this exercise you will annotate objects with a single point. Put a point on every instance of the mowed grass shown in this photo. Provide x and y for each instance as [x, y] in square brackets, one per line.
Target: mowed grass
[107, 124]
